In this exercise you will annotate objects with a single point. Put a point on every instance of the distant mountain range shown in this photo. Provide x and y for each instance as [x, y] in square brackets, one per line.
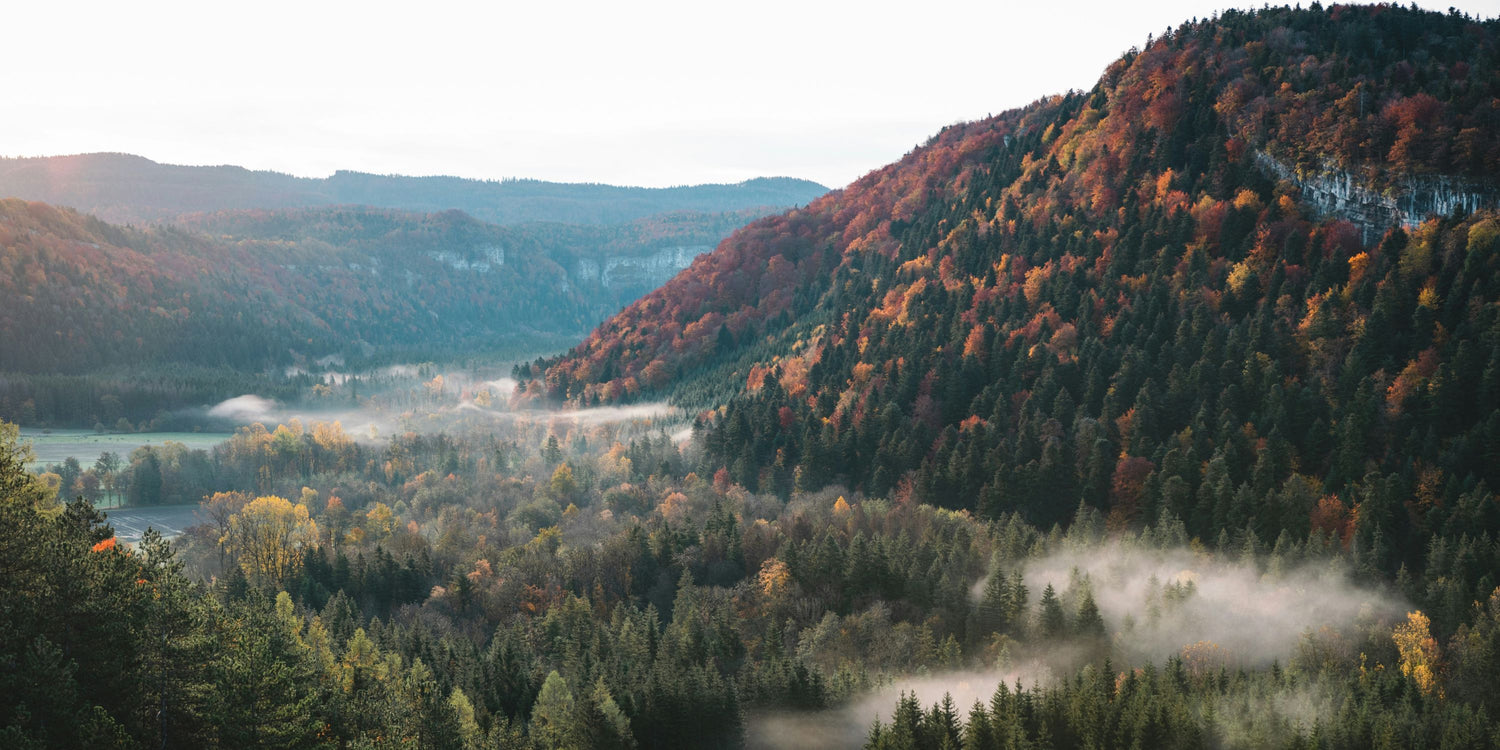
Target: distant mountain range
[127, 189]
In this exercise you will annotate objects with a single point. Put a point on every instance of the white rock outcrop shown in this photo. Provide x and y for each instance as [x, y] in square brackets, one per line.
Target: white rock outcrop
[1338, 192]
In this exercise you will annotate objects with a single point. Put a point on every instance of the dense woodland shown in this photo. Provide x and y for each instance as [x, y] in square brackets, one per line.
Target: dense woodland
[250, 289]
[1102, 297]
[217, 305]
[1105, 296]
[1076, 402]
[554, 586]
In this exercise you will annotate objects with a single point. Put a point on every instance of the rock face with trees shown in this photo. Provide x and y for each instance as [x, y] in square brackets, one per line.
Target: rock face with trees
[1106, 296]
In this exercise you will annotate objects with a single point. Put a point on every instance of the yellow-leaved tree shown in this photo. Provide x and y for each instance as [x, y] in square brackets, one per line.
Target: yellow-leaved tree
[1419, 651]
[562, 486]
[267, 538]
[380, 521]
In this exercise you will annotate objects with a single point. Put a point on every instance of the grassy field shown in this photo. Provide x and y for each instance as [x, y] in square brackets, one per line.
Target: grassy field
[55, 446]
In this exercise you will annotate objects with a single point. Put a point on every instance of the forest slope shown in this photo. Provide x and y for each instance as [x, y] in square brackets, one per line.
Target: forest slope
[1108, 296]
[251, 289]
[1280, 441]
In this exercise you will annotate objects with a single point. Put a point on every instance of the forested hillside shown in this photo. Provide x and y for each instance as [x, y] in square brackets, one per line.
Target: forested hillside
[1144, 416]
[1106, 296]
[85, 294]
[313, 279]
[649, 247]
[1103, 297]
[128, 189]
[554, 583]
[215, 276]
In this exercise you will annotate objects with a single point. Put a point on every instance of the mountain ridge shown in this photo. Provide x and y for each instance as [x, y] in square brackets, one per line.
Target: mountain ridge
[86, 293]
[126, 188]
[1097, 296]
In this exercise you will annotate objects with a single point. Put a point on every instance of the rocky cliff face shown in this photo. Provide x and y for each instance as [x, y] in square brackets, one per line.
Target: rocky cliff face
[649, 270]
[479, 260]
[1338, 192]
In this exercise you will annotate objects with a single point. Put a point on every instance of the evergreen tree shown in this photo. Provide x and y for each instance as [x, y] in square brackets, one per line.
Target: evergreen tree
[554, 719]
[1052, 622]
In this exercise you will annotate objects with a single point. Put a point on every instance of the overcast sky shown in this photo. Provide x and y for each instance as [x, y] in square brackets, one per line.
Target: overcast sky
[629, 92]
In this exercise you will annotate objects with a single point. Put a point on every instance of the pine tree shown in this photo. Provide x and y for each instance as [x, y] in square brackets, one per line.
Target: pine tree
[979, 733]
[554, 719]
[991, 611]
[1089, 623]
[605, 726]
[1052, 622]
[264, 687]
[552, 453]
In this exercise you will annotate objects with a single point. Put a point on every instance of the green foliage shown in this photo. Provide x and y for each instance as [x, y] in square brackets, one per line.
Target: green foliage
[554, 641]
[555, 723]
[1099, 302]
[229, 294]
[1161, 707]
[1132, 311]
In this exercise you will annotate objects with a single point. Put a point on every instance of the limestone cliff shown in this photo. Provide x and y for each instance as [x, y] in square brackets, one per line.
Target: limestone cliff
[648, 270]
[1341, 193]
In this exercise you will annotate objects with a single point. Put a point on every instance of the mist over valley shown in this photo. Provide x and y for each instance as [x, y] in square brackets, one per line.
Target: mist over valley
[1159, 408]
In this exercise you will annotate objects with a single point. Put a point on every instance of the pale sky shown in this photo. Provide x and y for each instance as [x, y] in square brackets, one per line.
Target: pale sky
[637, 92]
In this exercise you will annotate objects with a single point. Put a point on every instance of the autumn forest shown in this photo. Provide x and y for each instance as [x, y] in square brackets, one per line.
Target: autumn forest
[1161, 414]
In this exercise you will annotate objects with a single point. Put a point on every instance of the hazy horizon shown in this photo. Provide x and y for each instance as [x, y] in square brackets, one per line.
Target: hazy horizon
[654, 95]
[434, 175]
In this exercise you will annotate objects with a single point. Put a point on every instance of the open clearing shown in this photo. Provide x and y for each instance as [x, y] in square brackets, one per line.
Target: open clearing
[55, 446]
[131, 523]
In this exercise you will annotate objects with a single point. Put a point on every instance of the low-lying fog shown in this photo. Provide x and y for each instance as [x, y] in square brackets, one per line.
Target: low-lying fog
[401, 398]
[1155, 604]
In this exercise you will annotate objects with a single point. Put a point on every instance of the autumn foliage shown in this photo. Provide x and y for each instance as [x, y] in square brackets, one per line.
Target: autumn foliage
[1108, 296]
